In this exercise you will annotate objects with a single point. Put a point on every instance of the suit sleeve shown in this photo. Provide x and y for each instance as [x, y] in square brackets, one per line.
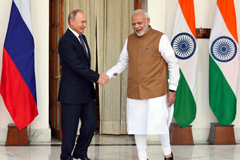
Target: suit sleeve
[68, 53]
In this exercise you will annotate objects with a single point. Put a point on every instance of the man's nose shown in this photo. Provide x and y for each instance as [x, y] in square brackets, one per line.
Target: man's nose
[136, 26]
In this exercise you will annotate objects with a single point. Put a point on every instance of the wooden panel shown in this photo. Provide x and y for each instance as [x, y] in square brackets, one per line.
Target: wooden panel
[203, 32]
[181, 136]
[138, 4]
[56, 31]
[221, 135]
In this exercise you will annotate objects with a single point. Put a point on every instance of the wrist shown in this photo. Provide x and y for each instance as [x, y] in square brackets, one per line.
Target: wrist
[170, 90]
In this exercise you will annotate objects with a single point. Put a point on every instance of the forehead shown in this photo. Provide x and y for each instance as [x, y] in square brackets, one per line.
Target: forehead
[81, 16]
[138, 17]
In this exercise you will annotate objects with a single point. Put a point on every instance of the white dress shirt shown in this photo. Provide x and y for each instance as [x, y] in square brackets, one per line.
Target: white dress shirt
[168, 55]
[77, 35]
[150, 116]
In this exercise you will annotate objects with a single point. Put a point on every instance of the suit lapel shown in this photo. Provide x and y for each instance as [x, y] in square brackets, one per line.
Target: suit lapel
[76, 41]
[89, 54]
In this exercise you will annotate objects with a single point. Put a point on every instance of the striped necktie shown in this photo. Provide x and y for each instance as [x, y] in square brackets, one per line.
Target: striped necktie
[83, 44]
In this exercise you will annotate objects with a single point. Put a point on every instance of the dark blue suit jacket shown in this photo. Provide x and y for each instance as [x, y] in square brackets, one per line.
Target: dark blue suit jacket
[77, 79]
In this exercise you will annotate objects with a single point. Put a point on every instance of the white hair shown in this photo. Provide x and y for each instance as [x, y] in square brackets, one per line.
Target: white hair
[140, 11]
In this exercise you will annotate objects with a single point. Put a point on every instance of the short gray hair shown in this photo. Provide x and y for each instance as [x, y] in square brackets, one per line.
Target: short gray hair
[141, 11]
[73, 14]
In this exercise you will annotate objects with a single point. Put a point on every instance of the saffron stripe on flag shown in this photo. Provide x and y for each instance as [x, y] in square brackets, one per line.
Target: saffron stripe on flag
[187, 7]
[223, 63]
[228, 13]
[185, 49]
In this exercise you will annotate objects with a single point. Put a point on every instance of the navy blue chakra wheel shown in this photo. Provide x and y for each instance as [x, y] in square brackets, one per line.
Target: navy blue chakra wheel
[223, 49]
[184, 45]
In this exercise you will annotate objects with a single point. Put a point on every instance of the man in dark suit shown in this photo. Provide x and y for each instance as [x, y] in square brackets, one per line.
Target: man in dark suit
[76, 92]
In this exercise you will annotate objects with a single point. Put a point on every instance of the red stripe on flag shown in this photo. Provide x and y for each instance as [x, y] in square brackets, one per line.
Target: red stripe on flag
[16, 95]
[227, 10]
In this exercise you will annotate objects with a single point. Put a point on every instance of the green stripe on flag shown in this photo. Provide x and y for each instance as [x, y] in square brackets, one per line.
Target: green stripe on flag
[222, 99]
[184, 106]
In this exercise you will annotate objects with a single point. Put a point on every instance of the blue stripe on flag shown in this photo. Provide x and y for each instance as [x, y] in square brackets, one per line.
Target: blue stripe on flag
[21, 48]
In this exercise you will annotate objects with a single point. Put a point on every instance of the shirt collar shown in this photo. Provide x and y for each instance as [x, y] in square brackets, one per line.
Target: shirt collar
[75, 33]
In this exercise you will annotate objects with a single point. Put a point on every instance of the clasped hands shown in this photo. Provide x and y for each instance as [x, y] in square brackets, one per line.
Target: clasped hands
[103, 79]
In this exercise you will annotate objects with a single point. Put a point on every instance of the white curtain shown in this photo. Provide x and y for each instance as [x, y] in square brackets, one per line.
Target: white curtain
[108, 26]
[90, 30]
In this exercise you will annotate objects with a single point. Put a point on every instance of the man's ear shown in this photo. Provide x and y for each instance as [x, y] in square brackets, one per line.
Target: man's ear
[148, 21]
[71, 21]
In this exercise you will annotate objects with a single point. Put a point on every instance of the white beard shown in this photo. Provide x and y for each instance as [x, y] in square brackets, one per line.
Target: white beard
[145, 29]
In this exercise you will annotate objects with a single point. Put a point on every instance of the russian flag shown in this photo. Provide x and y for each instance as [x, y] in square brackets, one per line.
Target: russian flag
[18, 87]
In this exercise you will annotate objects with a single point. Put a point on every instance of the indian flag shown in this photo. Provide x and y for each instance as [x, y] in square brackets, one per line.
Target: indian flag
[185, 49]
[223, 63]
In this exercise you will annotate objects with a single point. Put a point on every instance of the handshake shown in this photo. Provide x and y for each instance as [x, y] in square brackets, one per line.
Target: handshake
[103, 79]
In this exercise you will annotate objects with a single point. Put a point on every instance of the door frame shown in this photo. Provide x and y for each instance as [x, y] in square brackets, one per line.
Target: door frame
[56, 22]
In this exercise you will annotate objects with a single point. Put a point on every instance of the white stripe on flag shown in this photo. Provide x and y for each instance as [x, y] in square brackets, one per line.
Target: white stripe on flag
[24, 9]
[181, 25]
[229, 71]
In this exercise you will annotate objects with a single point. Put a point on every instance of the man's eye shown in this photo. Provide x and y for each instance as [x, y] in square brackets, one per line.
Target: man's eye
[139, 23]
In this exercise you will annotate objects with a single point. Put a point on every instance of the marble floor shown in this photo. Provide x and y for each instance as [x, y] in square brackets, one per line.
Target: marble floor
[105, 147]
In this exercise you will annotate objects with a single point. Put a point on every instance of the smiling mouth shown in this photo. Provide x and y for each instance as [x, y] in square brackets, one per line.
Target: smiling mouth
[138, 30]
